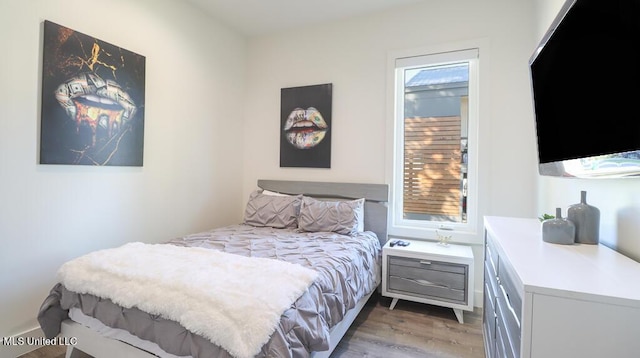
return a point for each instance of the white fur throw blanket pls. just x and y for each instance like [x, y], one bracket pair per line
[234, 301]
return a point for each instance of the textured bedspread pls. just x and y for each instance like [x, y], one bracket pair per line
[348, 267]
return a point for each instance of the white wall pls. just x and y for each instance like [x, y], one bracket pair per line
[192, 146]
[204, 129]
[617, 199]
[353, 54]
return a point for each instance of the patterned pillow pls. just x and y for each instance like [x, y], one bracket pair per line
[272, 211]
[342, 217]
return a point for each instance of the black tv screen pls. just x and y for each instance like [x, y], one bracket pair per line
[585, 78]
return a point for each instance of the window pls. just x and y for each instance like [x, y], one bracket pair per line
[435, 126]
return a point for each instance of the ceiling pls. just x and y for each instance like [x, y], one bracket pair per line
[259, 17]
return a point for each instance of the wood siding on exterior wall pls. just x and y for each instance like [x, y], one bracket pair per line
[432, 169]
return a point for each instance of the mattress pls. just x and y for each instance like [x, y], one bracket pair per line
[349, 268]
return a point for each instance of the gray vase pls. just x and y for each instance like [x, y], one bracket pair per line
[586, 219]
[558, 230]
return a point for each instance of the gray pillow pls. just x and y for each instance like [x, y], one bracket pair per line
[342, 217]
[272, 211]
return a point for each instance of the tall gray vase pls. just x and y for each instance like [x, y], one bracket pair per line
[586, 219]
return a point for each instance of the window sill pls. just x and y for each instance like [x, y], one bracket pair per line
[458, 236]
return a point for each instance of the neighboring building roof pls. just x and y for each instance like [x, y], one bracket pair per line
[441, 75]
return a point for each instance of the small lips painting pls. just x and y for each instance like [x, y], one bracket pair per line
[305, 128]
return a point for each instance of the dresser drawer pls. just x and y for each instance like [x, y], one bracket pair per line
[491, 255]
[490, 296]
[510, 291]
[490, 280]
[503, 349]
[496, 267]
[489, 325]
[489, 337]
[509, 325]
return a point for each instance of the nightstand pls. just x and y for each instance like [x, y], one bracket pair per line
[428, 272]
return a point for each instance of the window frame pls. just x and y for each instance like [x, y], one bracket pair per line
[398, 226]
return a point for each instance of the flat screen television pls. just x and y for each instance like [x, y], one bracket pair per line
[585, 79]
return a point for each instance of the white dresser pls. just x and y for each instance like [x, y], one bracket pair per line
[545, 300]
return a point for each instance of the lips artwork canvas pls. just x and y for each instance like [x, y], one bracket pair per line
[305, 126]
[92, 101]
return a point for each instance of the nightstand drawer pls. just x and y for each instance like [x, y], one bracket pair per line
[430, 274]
[422, 287]
[427, 264]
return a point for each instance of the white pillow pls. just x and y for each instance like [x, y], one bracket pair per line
[273, 193]
[360, 216]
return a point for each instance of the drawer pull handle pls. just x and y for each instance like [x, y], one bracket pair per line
[425, 262]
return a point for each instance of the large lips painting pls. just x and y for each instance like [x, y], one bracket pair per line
[305, 129]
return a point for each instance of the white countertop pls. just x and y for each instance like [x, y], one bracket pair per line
[593, 272]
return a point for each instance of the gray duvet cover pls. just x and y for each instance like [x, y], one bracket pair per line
[348, 267]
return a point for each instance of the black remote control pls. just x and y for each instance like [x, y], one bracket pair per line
[399, 243]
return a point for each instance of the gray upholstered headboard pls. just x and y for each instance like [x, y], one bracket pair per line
[376, 197]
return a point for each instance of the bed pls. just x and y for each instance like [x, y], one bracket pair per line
[305, 260]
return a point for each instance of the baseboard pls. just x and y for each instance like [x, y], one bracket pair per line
[478, 299]
[22, 343]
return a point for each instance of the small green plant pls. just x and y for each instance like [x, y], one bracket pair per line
[546, 217]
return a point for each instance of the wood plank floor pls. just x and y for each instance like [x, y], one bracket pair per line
[410, 330]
